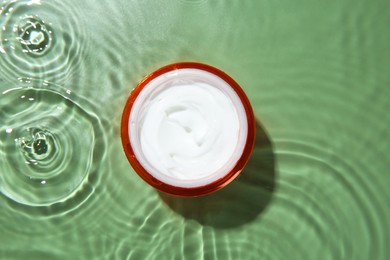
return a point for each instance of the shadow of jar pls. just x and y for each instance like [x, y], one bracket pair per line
[241, 201]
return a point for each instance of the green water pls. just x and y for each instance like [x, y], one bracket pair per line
[316, 73]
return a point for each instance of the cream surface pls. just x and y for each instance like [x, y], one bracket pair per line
[188, 132]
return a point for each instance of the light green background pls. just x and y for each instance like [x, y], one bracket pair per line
[317, 75]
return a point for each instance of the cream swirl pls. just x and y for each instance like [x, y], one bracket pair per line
[188, 131]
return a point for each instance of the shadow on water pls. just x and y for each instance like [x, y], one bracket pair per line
[241, 201]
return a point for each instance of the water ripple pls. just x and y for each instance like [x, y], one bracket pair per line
[39, 136]
[317, 78]
[194, 2]
[41, 39]
[362, 200]
[51, 156]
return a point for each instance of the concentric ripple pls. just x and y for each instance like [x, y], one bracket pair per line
[40, 39]
[48, 145]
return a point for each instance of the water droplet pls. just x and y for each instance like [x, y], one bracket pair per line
[40, 146]
[34, 36]
[36, 144]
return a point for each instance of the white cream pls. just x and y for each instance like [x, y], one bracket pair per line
[188, 128]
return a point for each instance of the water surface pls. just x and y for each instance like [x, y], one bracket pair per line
[315, 72]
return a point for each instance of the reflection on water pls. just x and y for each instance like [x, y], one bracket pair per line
[241, 201]
[315, 73]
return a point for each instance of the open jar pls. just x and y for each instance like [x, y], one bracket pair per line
[188, 129]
